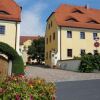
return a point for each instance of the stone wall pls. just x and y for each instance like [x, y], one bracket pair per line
[71, 65]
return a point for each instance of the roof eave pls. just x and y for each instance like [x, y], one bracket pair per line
[50, 16]
[77, 27]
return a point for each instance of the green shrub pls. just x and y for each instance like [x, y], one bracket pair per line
[18, 66]
[21, 88]
[90, 62]
[8, 50]
[17, 62]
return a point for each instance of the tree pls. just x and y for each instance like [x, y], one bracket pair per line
[36, 50]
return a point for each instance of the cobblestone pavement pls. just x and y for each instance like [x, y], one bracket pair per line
[56, 75]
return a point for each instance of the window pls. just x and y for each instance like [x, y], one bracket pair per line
[48, 26]
[46, 55]
[3, 12]
[82, 51]
[69, 34]
[72, 20]
[54, 36]
[69, 52]
[77, 11]
[47, 40]
[95, 51]
[82, 35]
[50, 38]
[2, 29]
[50, 54]
[93, 22]
[95, 35]
[51, 23]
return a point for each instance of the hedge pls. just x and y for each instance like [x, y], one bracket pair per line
[17, 62]
[90, 62]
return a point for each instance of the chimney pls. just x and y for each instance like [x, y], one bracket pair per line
[87, 6]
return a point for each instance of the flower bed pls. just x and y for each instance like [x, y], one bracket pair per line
[21, 88]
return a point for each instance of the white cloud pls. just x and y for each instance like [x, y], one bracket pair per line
[32, 21]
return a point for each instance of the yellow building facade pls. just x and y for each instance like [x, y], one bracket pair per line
[67, 37]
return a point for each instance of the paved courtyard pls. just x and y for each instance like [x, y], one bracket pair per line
[56, 75]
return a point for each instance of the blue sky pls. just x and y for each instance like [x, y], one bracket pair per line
[35, 13]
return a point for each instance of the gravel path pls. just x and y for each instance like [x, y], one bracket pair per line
[56, 75]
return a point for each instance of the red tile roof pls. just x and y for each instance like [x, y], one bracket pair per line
[77, 16]
[25, 38]
[9, 10]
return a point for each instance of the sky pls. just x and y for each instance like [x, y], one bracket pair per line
[35, 13]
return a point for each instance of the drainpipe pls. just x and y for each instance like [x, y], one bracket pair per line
[60, 43]
[16, 38]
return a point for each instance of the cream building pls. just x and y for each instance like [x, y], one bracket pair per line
[10, 17]
[71, 31]
[25, 42]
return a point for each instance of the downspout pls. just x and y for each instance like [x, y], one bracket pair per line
[60, 44]
[16, 38]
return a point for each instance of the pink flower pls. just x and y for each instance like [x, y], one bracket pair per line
[31, 97]
[1, 90]
[21, 75]
[17, 97]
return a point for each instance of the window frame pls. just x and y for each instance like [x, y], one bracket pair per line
[46, 40]
[94, 35]
[2, 29]
[82, 35]
[49, 54]
[69, 52]
[82, 50]
[95, 51]
[46, 55]
[50, 38]
[54, 36]
[69, 34]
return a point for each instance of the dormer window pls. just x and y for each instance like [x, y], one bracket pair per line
[4, 12]
[72, 20]
[77, 11]
[93, 22]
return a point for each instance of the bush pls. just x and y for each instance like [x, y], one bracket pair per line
[8, 50]
[90, 62]
[17, 62]
[18, 65]
[20, 88]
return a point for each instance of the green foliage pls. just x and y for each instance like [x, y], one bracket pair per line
[36, 50]
[21, 88]
[17, 62]
[90, 62]
[8, 50]
[18, 65]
